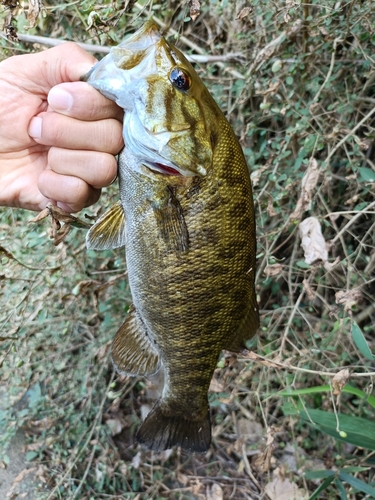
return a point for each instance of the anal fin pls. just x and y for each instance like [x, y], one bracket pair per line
[133, 352]
[246, 330]
[108, 231]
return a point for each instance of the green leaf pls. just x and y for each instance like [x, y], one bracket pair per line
[361, 342]
[359, 431]
[322, 487]
[302, 264]
[30, 455]
[341, 489]
[357, 483]
[367, 175]
[319, 474]
[327, 388]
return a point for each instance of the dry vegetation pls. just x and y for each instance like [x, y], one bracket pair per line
[299, 92]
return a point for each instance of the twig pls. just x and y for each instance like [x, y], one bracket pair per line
[191, 44]
[104, 49]
[358, 214]
[352, 132]
[78, 453]
[278, 364]
[330, 70]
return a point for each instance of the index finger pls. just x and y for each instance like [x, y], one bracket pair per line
[81, 101]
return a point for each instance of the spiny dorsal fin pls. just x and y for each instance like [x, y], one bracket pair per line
[133, 352]
[108, 231]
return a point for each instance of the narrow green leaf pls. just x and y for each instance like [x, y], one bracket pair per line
[319, 474]
[354, 468]
[327, 388]
[361, 342]
[358, 484]
[322, 487]
[357, 431]
[341, 489]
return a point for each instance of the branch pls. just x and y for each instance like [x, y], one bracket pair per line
[90, 47]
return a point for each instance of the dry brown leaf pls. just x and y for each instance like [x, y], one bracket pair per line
[284, 489]
[312, 240]
[195, 9]
[339, 380]
[35, 7]
[263, 461]
[215, 492]
[259, 359]
[182, 478]
[115, 425]
[244, 13]
[196, 486]
[256, 174]
[41, 215]
[23, 474]
[309, 291]
[308, 184]
[270, 210]
[216, 386]
[272, 89]
[348, 298]
[250, 430]
[273, 269]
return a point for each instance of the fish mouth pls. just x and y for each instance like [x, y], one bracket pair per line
[163, 169]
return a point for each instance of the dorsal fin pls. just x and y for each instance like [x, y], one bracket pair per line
[133, 351]
[108, 231]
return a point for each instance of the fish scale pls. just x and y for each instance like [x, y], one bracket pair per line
[189, 237]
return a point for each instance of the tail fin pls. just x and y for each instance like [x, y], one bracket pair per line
[163, 429]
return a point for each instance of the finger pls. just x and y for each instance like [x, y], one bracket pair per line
[80, 100]
[72, 192]
[95, 168]
[53, 129]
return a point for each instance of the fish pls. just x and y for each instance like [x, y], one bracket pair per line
[186, 219]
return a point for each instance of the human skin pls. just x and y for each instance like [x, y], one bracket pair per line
[58, 136]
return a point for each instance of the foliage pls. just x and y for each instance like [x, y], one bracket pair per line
[298, 89]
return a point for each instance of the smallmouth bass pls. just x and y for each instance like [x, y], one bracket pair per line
[186, 219]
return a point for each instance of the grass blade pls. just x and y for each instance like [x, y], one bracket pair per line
[341, 490]
[322, 487]
[354, 430]
[358, 484]
[349, 389]
[361, 342]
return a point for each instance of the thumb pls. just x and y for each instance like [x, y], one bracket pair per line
[65, 63]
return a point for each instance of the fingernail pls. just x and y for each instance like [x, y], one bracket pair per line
[59, 99]
[35, 128]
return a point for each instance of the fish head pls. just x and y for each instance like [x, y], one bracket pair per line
[166, 105]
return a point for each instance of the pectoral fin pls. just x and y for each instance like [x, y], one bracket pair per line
[108, 231]
[133, 352]
[171, 223]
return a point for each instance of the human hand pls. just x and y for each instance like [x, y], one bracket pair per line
[58, 136]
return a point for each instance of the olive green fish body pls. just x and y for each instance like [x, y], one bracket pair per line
[190, 251]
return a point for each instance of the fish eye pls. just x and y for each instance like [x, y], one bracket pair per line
[180, 79]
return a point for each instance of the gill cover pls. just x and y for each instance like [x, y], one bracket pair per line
[160, 92]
